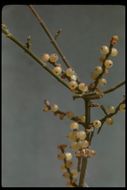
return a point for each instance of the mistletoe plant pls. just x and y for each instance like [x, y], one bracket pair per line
[82, 129]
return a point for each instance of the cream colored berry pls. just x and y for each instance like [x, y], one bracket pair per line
[73, 85]
[108, 63]
[102, 81]
[83, 87]
[68, 156]
[114, 39]
[122, 107]
[85, 144]
[114, 52]
[97, 123]
[98, 70]
[109, 121]
[54, 108]
[45, 57]
[92, 153]
[111, 109]
[57, 70]
[81, 135]
[74, 77]
[53, 58]
[74, 125]
[74, 145]
[104, 50]
[69, 72]
[82, 118]
[61, 156]
[72, 135]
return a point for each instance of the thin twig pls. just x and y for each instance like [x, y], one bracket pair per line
[114, 88]
[96, 96]
[103, 68]
[29, 52]
[51, 37]
[110, 115]
[84, 160]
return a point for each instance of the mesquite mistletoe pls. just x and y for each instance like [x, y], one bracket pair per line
[82, 128]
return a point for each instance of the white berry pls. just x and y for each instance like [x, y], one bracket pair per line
[102, 81]
[74, 125]
[114, 52]
[97, 123]
[108, 63]
[74, 77]
[45, 57]
[69, 72]
[83, 87]
[109, 121]
[54, 108]
[104, 50]
[81, 135]
[73, 85]
[85, 144]
[122, 107]
[53, 58]
[57, 70]
[68, 156]
[98, 70]
[111, 109]
[82, 118]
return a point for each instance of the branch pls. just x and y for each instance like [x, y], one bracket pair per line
[110, 115]
[61, 114]
[29, 52]
[114, 88]
[51, 37]
[96, 96]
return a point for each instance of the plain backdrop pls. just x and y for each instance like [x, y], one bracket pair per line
[29, 135]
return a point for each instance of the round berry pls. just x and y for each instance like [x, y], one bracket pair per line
[74, 77]
[68, 156]
[81, 135]
[98, 70]
[72, 135]
[73, 85]
[109, 121]
[108, 63]
[69, 72]
[102, 81]
[114, 39]
[83, 87]
[122, 107]
[111, 109]
[54, 108]
[85, 144]
[45, 57]
[57, 70]
[82, 118]
[104, 50]
[114, 52]
[97, 123]
[74, 125]
[53, 58]
[92, 153]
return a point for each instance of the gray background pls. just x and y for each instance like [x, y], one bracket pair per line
[30, 136]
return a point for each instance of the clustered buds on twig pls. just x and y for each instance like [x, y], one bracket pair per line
[80, 140]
